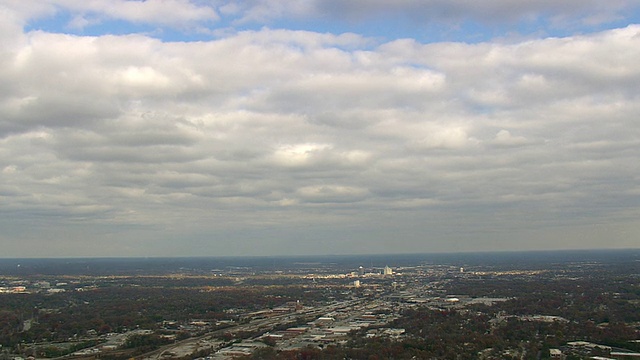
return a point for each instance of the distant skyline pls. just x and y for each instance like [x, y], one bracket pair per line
[218, 128]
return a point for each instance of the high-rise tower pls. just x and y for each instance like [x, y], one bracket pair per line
[387, 271]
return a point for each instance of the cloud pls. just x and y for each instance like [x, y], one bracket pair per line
[436, 11]
[332, 194]
[284, 131]
[265, 10]
[173, 13]
[504, 138]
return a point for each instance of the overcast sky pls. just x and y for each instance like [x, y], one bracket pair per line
[272, 127]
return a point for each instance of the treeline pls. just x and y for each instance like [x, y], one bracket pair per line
[463, 334]
[61, 316]
[594, 299]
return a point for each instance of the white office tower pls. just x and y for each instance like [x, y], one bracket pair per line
[387, 271]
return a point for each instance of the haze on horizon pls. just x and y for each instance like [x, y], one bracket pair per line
[265, 127]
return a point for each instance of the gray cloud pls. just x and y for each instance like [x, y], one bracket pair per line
[192, 16]
[270, 136]
[565, 13]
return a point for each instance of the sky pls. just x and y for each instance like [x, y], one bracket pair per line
[271, 127]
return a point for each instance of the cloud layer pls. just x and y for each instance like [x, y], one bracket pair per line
[277, 141]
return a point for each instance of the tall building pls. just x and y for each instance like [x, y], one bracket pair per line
[361, 271]
[387, 271]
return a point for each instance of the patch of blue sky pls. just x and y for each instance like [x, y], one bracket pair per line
[466, 31]
[54, 24]
[380, 28]
[62, 24]
[386, 29]
[547, 27]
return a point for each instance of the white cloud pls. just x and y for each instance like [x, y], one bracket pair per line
[504, 138]
[298, 130]
[298, 154]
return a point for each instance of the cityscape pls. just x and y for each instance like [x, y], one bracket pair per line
[558, 305]
[319, 179]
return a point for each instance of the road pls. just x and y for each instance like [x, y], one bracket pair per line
[209, 340]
